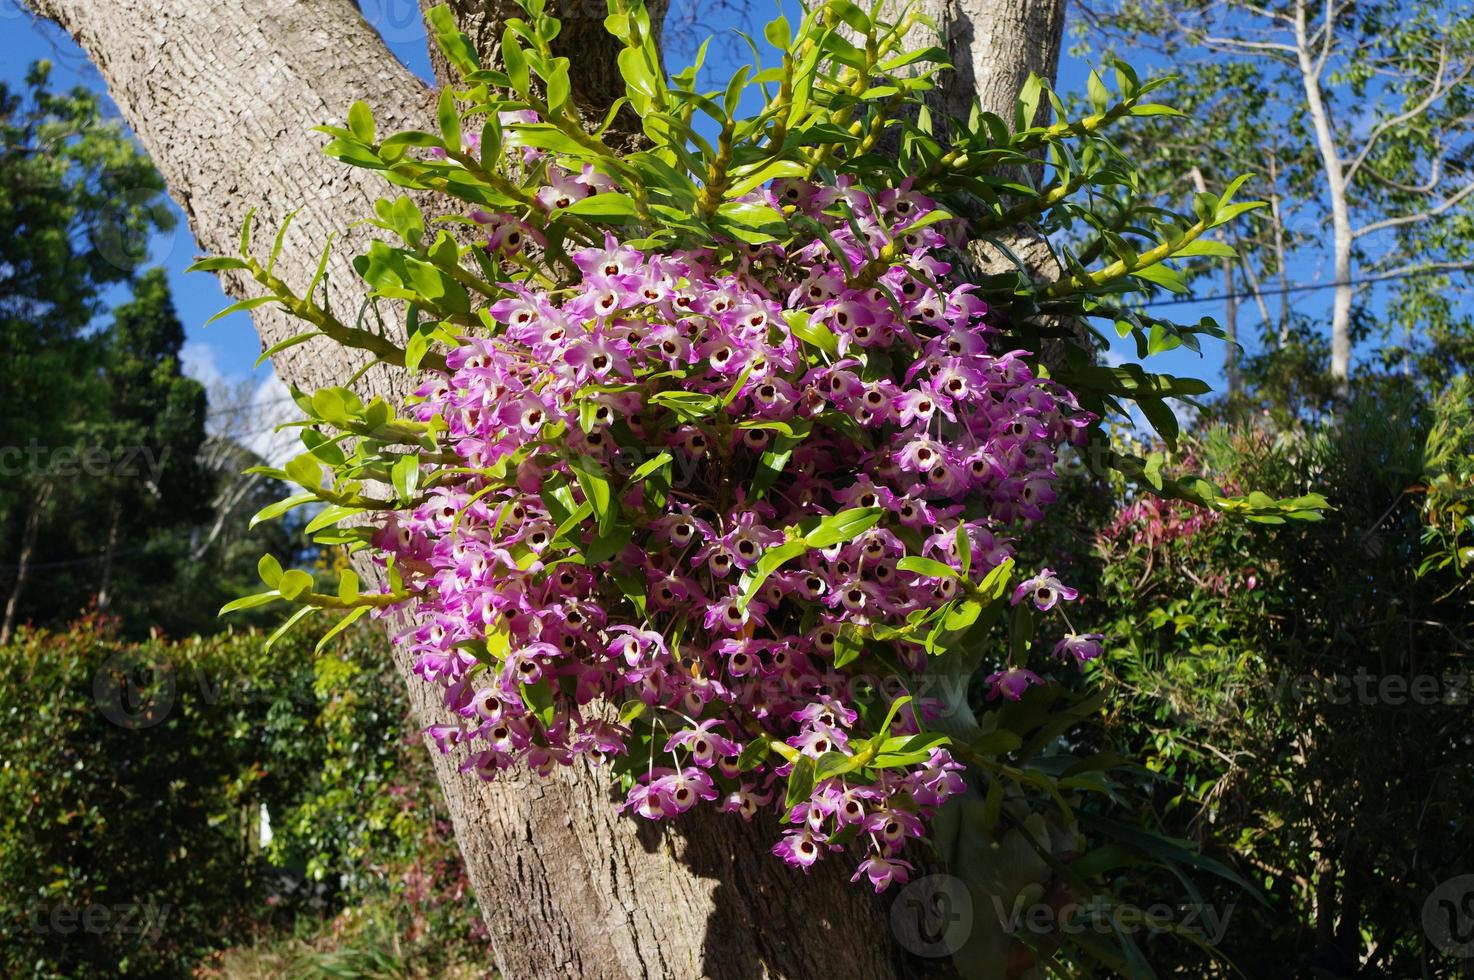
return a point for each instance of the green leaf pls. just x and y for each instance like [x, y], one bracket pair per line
[832, 764]
[348, 585]
[606, 546]
[405, 476]
[305, 470]
[515, 60]
[415, 138]
[286, 627]
[1100, 96]
[449, 118]
[244, 306]
[925, 566]
[606, 205]
[1162, 418]
[800, 782]
[753, 753]
[908, 750]
[1206, 246]
[361, 122]
[457, 47]
[216, 264]
[246, 233]
[249, 602]
[812, 332]
[352, 616]
[847, 647]
[436, 286]
[850, 14]
[1027, 107]
[895, 709]
[639, 81]
[271, 511]
[294, 584]
[290, 342]
[844, 526]
[1154, 109]
[779, 33]
[270, 570]
[330, 515]
[1163, 275]
[281, 237]
[650, 466]
[595, 485]
[689, 405]
[772, 559]
[750, 222]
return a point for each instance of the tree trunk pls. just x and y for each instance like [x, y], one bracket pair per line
[224, 96]
[1230, 330]
[994, 45]
[23, 563]
[109, 554]
[1341, 232]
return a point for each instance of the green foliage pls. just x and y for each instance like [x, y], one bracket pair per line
[134, 778]
[1294, 690]
[1448, 493]
[103, 437]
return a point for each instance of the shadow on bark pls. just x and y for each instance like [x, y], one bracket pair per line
[771, 921]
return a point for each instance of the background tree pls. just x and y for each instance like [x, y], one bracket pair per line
[225, 97]
[106, 490]
[1297, 690]
[1359, 112]
[76, 196]
[155, 427]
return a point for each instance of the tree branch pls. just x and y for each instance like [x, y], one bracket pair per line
[1436, 91]
[1408, 219]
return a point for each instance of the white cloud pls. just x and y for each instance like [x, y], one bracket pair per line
[197, 360]
[271, 405]
[243, 408]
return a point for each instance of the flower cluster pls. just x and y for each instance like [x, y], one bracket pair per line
[706, 489]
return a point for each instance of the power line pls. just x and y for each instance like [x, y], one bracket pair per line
[250, 407]
[1305, 287]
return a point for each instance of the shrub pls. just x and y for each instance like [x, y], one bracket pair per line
[134, 781]
[1301, 691]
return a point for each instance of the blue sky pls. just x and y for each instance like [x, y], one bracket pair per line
[227, 349]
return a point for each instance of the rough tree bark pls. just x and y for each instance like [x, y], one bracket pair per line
[224, 96]
[994, 45]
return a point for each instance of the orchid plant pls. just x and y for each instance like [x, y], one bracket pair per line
[718, 446]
